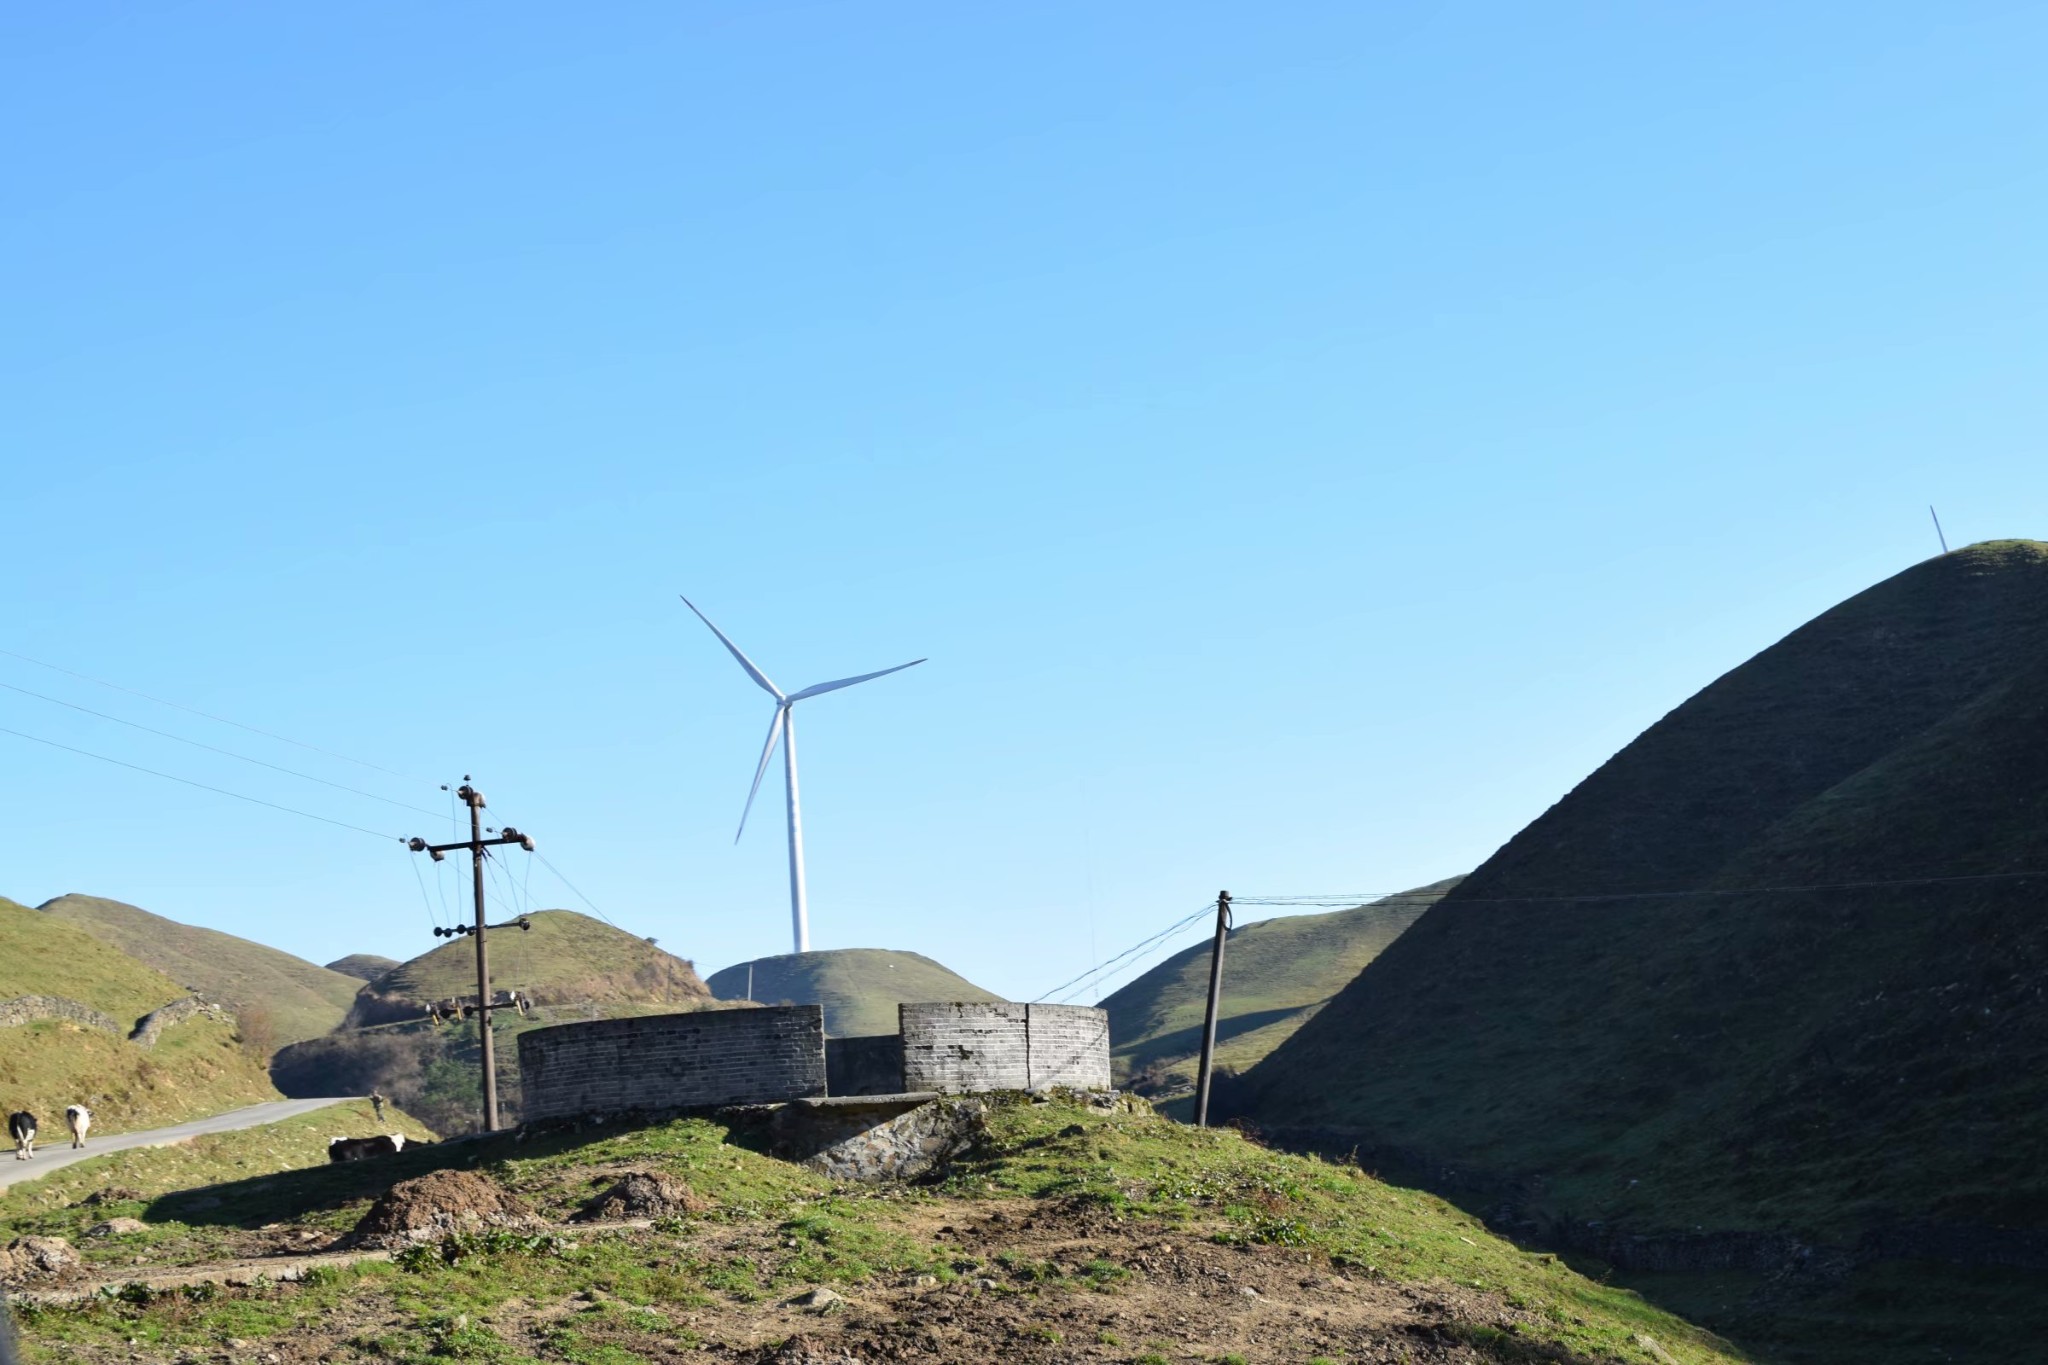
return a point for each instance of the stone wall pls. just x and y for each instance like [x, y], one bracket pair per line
[867, 1065]
[146, 1029]
[673, 1061]
[963, 1048]
[29, 1009]
[960, 1048]
[1069, 1045]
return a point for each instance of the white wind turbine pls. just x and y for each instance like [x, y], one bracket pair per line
[783, 728]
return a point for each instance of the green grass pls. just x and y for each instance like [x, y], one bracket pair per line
[463, 1299]
[43, 955]
[157, 1180]
[860, 988]
[197, 1067]
[1277, 973]
[566, 958]
[286, 996]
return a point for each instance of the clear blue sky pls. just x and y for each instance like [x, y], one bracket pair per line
[1306, 440]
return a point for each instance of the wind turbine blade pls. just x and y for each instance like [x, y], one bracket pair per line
[767, 752]
[848, 682]
[756, 674]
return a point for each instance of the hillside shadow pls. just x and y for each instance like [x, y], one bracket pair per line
[1188, 1041]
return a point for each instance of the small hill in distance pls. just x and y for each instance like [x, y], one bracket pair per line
[363, 966]
[197, 1067]
[1276, 974]
[279, 996]
[860, 988]
[565, 959]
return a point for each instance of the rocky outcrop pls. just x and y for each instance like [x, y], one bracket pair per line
[30, 1009]
[146, 1029]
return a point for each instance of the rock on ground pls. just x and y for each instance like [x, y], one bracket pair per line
[37, 1258]
[643, 1194]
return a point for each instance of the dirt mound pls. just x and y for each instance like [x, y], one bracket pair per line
[113, 1194]
[642, 1194]
[434, 1205]
[37, 1258]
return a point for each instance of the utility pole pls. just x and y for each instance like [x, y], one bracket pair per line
[476, 844]
[1215, 999]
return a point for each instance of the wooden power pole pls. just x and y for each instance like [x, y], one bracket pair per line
[1215, 999]
[476, 844]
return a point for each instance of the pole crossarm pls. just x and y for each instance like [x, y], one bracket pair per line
[510, 836]
[521, 923]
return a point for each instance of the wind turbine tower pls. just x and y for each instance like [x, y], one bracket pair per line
[782, 730]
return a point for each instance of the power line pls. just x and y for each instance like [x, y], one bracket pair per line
[1163, 934]
[572, 887]
[186, 781]
[215, 749]
[205, 715]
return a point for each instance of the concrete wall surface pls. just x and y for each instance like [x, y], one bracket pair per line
[673, 1061]
[964, 1048]
[959, 1048]
[1069, 1045]
[869, 1064]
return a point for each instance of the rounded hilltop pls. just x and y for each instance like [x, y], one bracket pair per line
[859, 988]
[566, 958]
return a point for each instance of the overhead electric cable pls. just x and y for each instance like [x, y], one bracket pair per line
[193, 710]
[1167, 932]
[215, 749]
[1567, 898]
[572, 887]
[186, 781]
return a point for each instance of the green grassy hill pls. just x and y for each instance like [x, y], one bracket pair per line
[1865, 1064]
[291, 997]
[1277, 974]
[860, 988]
[565, 959]
[1045, 1245]
[197, 1067]
[363, 966]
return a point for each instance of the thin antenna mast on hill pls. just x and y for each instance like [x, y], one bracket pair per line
[1937, 529]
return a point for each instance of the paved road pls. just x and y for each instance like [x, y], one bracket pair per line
[58, 1154]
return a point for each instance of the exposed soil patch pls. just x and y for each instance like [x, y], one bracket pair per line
[642, 1194]
[438, 1204]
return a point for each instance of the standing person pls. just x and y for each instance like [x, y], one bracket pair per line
[377, 1103]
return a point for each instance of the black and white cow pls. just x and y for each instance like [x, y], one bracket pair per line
[78, 1119]
[361, 1149]
[21, 1126]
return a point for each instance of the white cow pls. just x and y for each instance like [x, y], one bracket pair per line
[79, 1119]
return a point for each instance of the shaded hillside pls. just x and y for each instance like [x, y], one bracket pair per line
[860, 988]
[291, 997]
[565, 959]
[363, 966]
[1277, 973]
[1865, 1062]
[197, 1066]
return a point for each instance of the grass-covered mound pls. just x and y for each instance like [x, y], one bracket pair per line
[280, 996]
[198, 1067]
[1277, 974]
[364, 966]
[1070, 1234]
[565, 959]
[859, 988]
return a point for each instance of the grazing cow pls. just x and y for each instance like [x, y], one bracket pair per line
[362, 1149]
[22, 1128]
[78, 1119]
